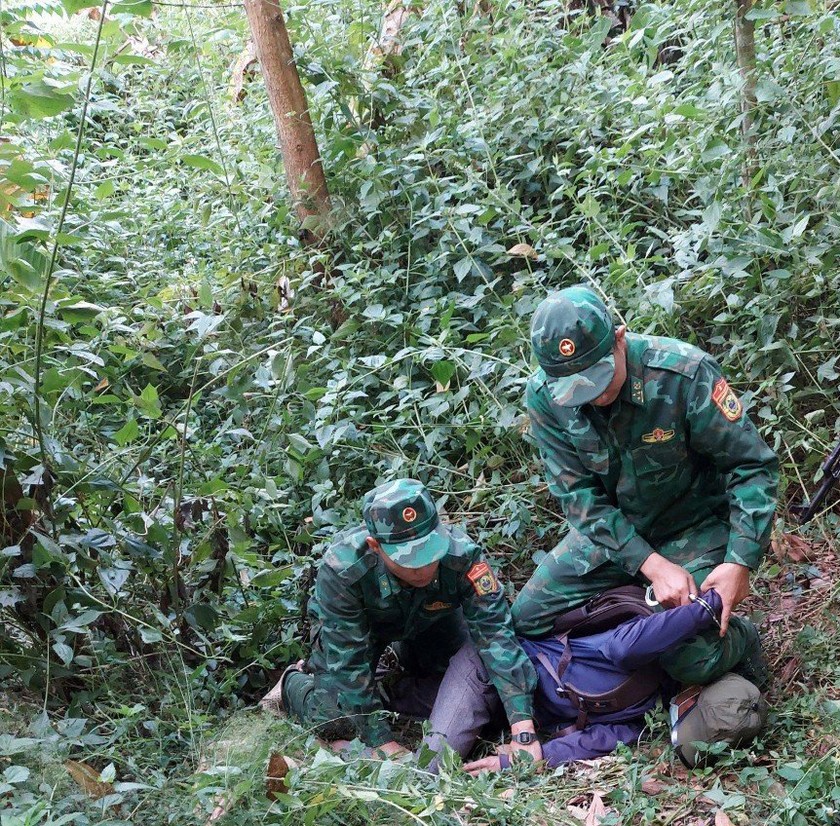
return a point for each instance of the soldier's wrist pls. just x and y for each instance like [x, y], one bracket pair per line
[522, 726]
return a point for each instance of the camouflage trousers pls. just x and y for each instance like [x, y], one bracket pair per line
[562, 582]
[410, 689]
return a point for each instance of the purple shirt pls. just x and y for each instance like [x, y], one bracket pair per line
[601, 662]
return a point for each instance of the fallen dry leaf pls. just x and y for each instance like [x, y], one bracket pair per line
[652, 786]
[796, 548]
[523, 251]
[88, 778]
[275, 776]
[596, 812]
[789, 671]
[577, 812]
[722, 819]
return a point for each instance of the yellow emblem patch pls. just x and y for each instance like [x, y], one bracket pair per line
[567, 347]
[726, 401]
[409, 514]
[483, 579]
[437, 606]
[657, 435]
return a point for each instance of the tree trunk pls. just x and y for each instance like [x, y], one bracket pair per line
[296, 138]
[745, 53]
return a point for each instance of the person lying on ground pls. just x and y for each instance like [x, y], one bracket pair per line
[403, 579]
[579, 713]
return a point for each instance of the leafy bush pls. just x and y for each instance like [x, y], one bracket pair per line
[214, 396]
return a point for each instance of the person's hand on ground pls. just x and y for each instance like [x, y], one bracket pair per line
[390, 749]
[486, 764]
[732, 582]
[671, 583]
[340, 745]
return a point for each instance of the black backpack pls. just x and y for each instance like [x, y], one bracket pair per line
[601, 613]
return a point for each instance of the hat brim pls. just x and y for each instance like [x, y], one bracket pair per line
[416, 553]
[583, 387]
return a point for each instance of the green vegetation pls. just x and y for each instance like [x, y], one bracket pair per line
[192, 399]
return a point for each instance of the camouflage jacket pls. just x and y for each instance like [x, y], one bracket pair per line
[359, 607]
[674, 452]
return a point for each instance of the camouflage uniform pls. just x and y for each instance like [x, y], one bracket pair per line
[360, 607]
[673, 466]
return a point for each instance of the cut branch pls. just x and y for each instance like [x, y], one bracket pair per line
[243, 70]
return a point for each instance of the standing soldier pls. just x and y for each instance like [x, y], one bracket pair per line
[658, 471]
[402, 575]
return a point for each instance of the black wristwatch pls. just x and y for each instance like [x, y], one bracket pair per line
[524, 738]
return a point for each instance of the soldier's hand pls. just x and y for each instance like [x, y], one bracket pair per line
[732, 582]
[671, 584]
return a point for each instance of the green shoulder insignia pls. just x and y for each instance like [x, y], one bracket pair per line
[462, 551]
[347, 554]
[672, 355]
[637, 390]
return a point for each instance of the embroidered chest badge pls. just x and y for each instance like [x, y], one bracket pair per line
[483, 579]
[726, 401]
[439, 605]
[657, 435]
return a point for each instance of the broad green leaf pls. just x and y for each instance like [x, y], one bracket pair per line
[148, 402]
[151, 360]
[36, 99]
[105, 190]
[443, 371]
[689, 110]
[64, 652]
[73, 6]
[202, 162]
[127, 433]
[133, 60]
[143, 8]
[462, 268]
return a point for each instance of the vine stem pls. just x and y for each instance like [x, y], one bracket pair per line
[48, 276]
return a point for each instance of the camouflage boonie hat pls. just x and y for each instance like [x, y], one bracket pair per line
[402, 517]
[572, 336]
[730, 710]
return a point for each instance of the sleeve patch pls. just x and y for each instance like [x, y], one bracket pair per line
[726, 401]
[483, 579]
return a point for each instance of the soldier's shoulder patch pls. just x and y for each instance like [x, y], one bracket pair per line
[482, 579]
[726, 401]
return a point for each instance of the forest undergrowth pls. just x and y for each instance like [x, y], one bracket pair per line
[193, 399]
